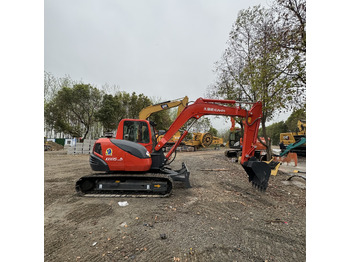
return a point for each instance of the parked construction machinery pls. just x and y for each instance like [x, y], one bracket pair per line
[198, 140]
[292, 147]
[235, 144]
[294, 138]
[134, 163]
[179, 103]
[203, 140]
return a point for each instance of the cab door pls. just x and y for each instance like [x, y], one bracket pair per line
[135, 130]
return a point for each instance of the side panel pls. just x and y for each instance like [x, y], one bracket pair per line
[133, 163]
[112, 155]
[119, 160]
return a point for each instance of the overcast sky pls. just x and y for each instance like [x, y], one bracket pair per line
[165, 49]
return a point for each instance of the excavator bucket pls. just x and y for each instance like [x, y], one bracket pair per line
[258, 172]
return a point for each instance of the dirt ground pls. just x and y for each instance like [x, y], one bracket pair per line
[221, 218]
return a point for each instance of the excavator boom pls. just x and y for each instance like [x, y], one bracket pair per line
[203, 107]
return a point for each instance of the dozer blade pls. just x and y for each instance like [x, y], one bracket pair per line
[182, 175]
[258, 172]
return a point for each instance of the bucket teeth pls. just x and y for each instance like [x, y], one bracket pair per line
[258, 173]
[259, 187]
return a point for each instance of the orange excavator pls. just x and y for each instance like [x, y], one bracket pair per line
[134, 163]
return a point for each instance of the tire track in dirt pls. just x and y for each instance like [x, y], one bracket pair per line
[155, 248]
[224, 210]
[89, 211]
[218, 254]
[274, 245]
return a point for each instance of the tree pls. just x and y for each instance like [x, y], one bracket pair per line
[72, 110]
[202, 125]
[292, 120]
[273, 131]
[253, 67]
[51, 87]
[291, 18]
[162, 119]
[121, 105]
[290, 37]
[213, 131]
[110, 112]
[53, 84]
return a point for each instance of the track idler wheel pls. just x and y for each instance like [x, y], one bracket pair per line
[258, 172]
[207, 139]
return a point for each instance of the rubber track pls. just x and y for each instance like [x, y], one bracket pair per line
[116, 194]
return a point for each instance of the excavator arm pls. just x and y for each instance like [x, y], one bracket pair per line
[147, 111]
[258, 172]
[203, 107]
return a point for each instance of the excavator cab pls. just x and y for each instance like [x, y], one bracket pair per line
[138, 131]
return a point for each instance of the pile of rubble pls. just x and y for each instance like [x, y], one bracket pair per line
[52, 146]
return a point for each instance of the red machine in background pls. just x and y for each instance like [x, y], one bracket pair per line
[135, 164]
[235, 143]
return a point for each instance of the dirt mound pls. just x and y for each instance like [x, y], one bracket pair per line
[52, 146]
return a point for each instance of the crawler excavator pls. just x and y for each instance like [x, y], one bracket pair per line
[134, 163]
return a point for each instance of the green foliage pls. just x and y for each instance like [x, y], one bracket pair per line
[273, 131]
[72, 110]
[121, 105]
[225, 134]
[292, 120]
[213, 131]
[162, 119]
[110, 112]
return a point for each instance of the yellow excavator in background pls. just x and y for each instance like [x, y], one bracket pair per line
[181, 103]
[199, 139]
[294, 137]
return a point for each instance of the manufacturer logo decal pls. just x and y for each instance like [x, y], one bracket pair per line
[210, 109]
[109, 152]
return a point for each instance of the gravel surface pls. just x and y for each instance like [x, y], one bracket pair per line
[221, 218]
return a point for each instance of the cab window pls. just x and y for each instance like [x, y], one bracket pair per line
[136, 131]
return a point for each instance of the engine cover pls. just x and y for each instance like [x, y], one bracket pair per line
[119, 155]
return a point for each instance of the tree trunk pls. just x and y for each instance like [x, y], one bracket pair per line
[86, 132]
[268, 142]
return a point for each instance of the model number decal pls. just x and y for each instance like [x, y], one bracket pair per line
[114, 159]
